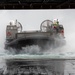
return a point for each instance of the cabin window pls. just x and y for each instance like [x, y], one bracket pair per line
[60, 26]
[11, 27]
[8, 27]
[14, 28]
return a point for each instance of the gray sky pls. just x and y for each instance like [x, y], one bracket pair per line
[31, 20]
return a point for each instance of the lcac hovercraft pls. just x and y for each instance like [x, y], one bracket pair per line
[51, 34]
